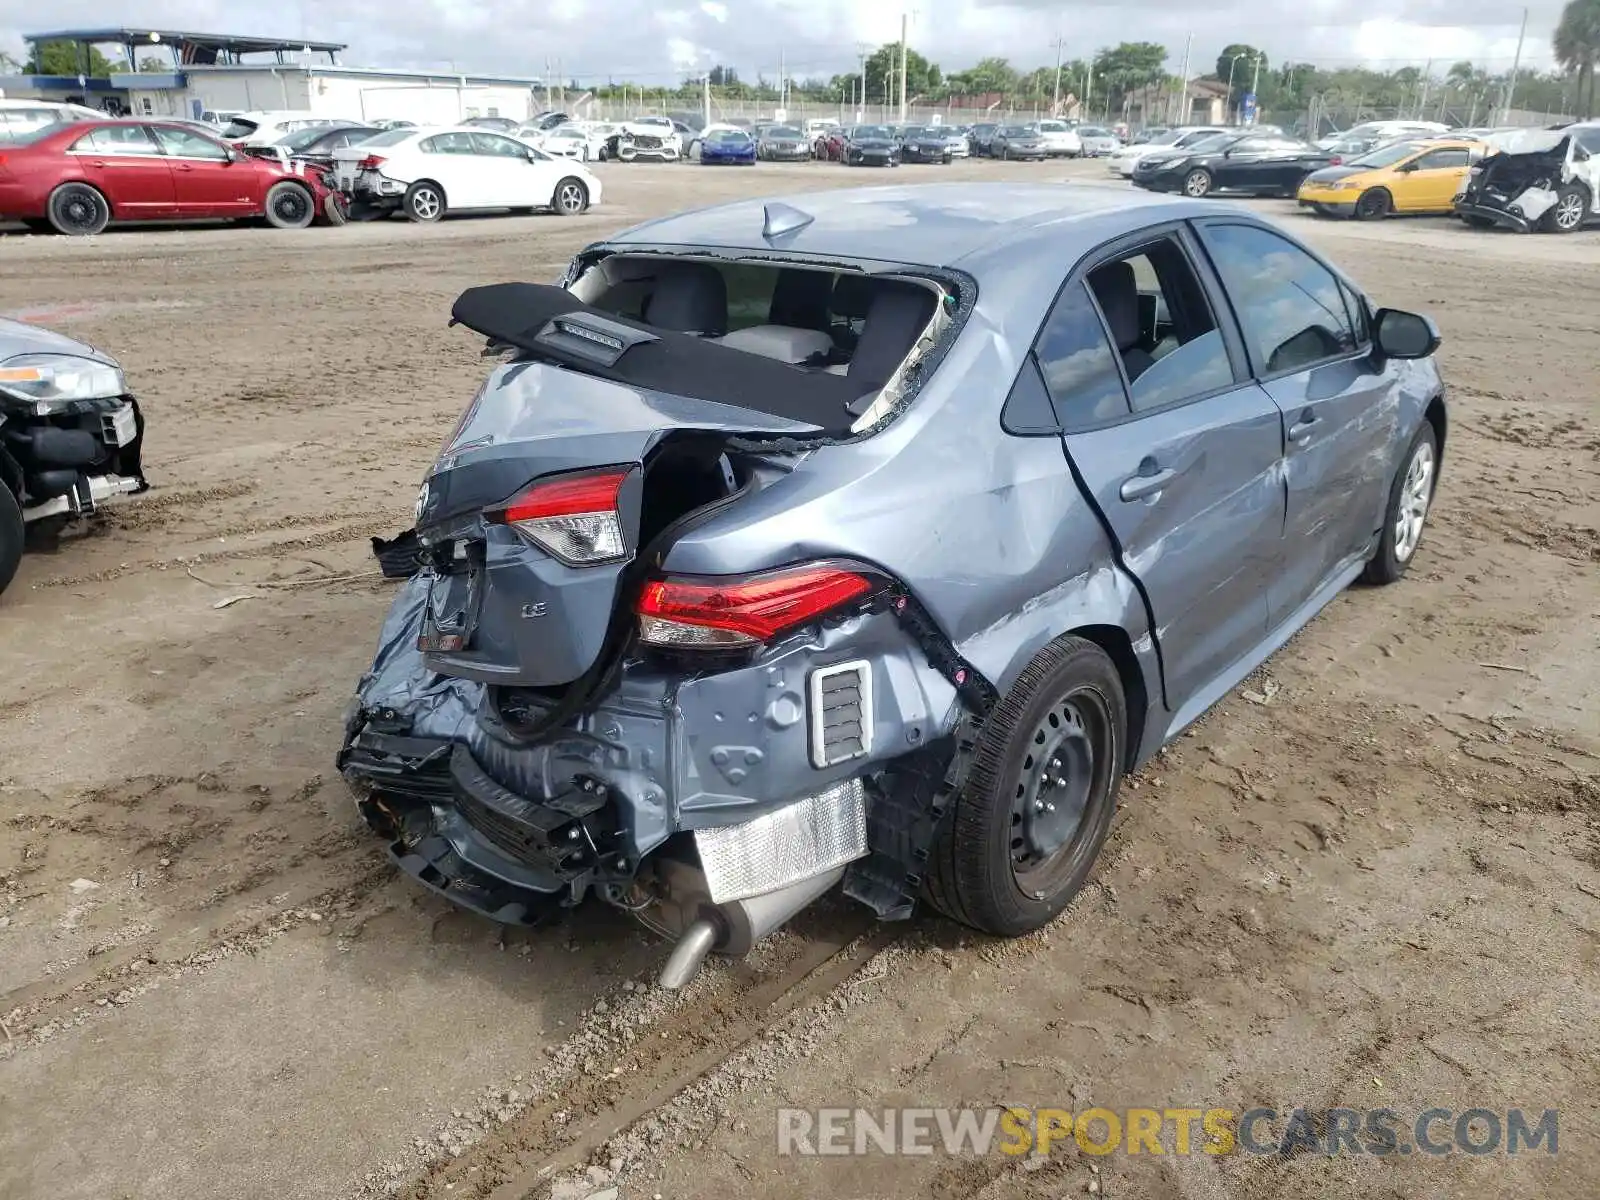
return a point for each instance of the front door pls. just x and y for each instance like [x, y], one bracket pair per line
[520, 176]
[1307, 335]
[127, 166]
[209, 179]
[1179, 452]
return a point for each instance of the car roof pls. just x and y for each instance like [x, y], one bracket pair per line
[931, 224]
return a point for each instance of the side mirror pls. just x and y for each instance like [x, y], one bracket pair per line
[1402, 334]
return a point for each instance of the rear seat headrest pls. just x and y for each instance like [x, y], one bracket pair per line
[689, 298]
[852, 296]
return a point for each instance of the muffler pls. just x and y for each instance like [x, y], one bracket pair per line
[732, 928]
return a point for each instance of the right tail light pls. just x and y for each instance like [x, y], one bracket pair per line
[729, 612]
[370, 163]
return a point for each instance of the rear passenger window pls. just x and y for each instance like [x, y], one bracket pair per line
[448, 143]
[1077, 363]
[1161, 326]
[1288, 303]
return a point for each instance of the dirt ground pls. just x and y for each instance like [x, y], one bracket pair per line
[1369, 878]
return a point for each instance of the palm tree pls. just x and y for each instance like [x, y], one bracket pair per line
[1576, 43]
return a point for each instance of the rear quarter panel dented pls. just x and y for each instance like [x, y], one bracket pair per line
[988, 530]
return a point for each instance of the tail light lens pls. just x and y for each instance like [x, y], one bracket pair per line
[575, 518]
[1336, 160]
[746, 610]
[370, 163]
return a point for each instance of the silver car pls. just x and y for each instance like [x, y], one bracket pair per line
[868, 538]
[1098, 141]
[70, 436]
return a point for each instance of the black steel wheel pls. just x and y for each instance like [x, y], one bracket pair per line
[1037, 804]
[78, 210]
[1374, 204]
[289, 206]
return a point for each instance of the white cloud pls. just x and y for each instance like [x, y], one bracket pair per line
[717, 12]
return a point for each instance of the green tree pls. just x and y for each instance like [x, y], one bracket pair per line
[62, 58]
[921, 75]
[1576, 43]
[1128, 68]
[160, 66]
[1238, 60]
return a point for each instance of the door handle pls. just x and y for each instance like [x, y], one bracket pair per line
[97, 162]
[1300, 432]
[1137, 487]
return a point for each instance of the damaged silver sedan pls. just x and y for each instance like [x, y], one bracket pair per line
[867, 540]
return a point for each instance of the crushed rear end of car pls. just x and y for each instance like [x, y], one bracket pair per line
[555, 713]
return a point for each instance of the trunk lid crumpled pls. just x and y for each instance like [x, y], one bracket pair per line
[501, 610]
[1522, 175]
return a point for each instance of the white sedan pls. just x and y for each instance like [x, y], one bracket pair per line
[425, 173]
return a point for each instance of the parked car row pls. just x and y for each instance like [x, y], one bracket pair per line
[1518, 179]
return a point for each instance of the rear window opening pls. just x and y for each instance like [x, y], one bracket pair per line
[870, 330]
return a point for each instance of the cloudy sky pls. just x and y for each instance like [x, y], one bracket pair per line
[656, 41]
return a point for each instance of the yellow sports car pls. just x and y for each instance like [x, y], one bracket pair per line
[1402, 177]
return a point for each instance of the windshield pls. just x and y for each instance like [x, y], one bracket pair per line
[302, 138]
[239, 127]
[1212, 141]
[1167, 137]
[390, 137]
[783, 132]
[1052, 126]
[727, 135]
[1387, 156]
[870, 131]
[1093, 131]
[1015, 131]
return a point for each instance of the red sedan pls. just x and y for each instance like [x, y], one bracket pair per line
[78, 177]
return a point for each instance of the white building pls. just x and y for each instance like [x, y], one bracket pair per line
[350, 93]
[224, 72]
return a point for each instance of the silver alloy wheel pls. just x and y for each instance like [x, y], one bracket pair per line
[425, 203]
[1196, 184]
[570, 197]
[1569, 212]
[1416, 493]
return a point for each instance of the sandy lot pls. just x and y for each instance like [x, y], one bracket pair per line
[1370, 878]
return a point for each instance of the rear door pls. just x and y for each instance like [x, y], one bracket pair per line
[208, 181]
[1307, 334]
[126, 165]
[452, 161]
[1180, 452]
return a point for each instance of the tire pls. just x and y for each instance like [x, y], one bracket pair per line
[1410, 498]
[1566, 215]
[1197, 183]
[423, 202]
[78, 210]
[1374, 204]
[1006, 863]
[571, 197]
[335, 209]
[289, 206]
[12, 535]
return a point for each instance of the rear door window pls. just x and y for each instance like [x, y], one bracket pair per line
[449, 143]
[117, 139]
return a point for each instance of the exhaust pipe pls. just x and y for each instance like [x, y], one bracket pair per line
[735, 927]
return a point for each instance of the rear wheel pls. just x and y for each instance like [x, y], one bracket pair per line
[571, 197]
[1566, 214]
[336, 208]
[289, 206]
[78, 210]
[1374, 204]
[1037, 804]
[424, 201]
[1197, 183]
[11, 536]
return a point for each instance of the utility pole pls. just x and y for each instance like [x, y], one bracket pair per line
[1516, 63]
[1422, 96]
[705, 97]
[861, 55]
[782, 66]
[547, 94]
[904, 18]
[1055, 103]
[1255, 90]
[1183, 82]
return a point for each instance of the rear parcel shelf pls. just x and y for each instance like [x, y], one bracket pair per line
[551, 324]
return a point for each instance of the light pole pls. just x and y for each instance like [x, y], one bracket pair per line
[1233, 61]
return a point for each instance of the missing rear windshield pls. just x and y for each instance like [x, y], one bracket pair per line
[874, 336]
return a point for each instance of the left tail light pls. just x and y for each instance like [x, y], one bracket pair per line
[745, 610]
[575, 518]
[1336, 160]
[370, 163]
